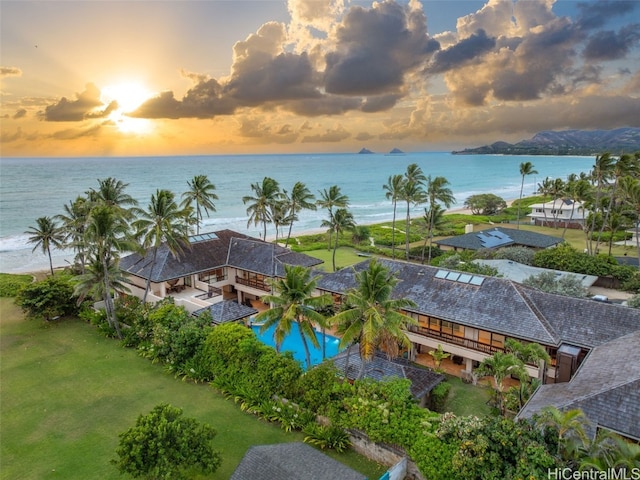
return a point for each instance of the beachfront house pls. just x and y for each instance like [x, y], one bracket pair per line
[223, 271]
[498, 237]
[472, 316]
[559, 213]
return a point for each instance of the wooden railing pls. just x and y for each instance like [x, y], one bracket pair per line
[460, 341]
[250, 282]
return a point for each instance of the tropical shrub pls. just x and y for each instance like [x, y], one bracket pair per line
[485, 204]
[568, 285]
[522, 255]
[48, 299]
[327, 436]
[438, 396]
[288, 415]
[10, 284]
[634, 302]
[316, 387]
[434, 457]
[164, 444]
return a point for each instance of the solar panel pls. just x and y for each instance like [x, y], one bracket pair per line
[494, 238]
[465, 278]
[203, 237]
[441, 274]
[453, 276]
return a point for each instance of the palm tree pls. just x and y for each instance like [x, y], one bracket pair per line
[437, 193]
[571, 427]
[578, 190]
[300, 199]
[601, 172]
[91, 283]
[111, 193]
[342, 220]
[74, 222]
[373, 318]
[412, 193]
[106, 235]
[433, 219]
[280, 214]
[500, 366]
[545, 188]
[329, 199]
[162, 223]
[265, 194]
[558, 190]
[294, 302]
[526, 169]
[45, 235]
[201, 191]
[394, 188]
[631, 194]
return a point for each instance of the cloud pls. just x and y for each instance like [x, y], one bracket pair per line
[470, 48]
[611, 45]
[331, 135]
[257, 130]
[10, 72]
[76, 110]
[21, 113]
[375, 48]
[596, 14]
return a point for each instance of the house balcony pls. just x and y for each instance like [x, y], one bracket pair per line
[459, 341]
[253, 283]
[190, 298]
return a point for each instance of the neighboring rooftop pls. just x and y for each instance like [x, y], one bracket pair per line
[606, 388]
[518, 271]
[499, 305]
[227, 311]
[499, 237]
[291, 461]
[381, 368]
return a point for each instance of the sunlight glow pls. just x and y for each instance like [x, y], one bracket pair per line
[129, 96]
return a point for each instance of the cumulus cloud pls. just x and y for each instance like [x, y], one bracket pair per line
[467, 49]
[21, 113]
[84, 106]
[596, 14]
[330, 135]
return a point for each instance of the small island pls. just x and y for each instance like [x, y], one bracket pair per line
[396, 151]
[365, 151]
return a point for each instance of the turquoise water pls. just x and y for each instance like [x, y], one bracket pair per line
[36, 187]
[293, 343]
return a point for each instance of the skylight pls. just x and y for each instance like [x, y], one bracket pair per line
[203, 237]
[458, 277]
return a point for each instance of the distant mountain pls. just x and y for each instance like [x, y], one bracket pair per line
[567, 142]
[365, 151]
[396, 151]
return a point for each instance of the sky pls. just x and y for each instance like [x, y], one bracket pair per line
[187, 77]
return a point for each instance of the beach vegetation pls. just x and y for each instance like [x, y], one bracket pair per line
[164, 444]
[74, 223]
[298, 200]
[46, 235]
[526, 169]
[340, 222]
[413, 193]
[485, 204]
[10, 284]
[201, 192]
[48, 299]
[393, 191]
[265, 195]
[330, 199]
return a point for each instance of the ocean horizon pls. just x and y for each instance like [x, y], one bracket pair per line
[36, 187]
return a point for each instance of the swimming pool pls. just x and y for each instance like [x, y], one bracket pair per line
[293, 343]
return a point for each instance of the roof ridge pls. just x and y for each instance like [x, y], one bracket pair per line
[521, 289]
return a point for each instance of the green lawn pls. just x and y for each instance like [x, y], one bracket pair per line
[345, 256]
[467, 399]
[67, 393]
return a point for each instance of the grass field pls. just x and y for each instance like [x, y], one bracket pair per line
[67, 393]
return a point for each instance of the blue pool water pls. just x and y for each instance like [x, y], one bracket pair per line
[293, 343]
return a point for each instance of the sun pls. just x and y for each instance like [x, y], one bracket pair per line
[129, 96]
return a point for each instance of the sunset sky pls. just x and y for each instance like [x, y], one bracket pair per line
[97, 78]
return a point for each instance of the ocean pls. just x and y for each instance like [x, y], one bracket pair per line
[37, 187]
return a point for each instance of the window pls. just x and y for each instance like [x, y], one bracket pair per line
[434, 324]
[213, 276]
[497, 340]
[447, 327]
[458, 330]
[484, 337]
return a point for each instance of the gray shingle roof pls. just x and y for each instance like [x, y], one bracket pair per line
[227, 248]
[227, 311]
[381, 368]
[606, 388]
[501, 306]
[499, 237]
[291, 461]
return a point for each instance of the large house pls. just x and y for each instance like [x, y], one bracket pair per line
[561, 213]
[472, 316]
[498, 237]
[222, 271]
